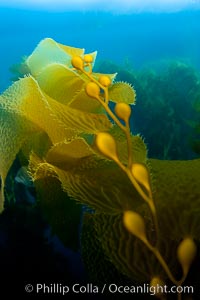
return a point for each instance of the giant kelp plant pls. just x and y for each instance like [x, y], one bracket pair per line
[142, 214]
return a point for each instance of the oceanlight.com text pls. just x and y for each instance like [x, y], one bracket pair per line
[112, 288]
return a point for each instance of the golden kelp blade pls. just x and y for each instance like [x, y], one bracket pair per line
[59, 82]
[14, 130]
[71, 50]
[47, 52]
[51, 116]
[122, 92]
[85, 103]
[88, 180]
[25, 109]
[128, 254]
[176, 192]
[67, 155]
[30, 103]
[62, 213]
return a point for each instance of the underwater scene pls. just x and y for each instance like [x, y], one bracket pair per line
[100, 149]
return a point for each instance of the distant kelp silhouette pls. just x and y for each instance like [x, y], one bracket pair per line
[144, 212]
[168, 93]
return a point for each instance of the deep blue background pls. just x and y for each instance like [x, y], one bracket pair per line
[139, 38]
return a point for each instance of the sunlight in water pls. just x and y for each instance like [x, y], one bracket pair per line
[117, 6]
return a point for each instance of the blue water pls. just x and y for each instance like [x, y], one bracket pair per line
[139, 38]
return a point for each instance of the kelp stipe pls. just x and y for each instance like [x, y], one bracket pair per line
[139, 177]
[145, 212]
